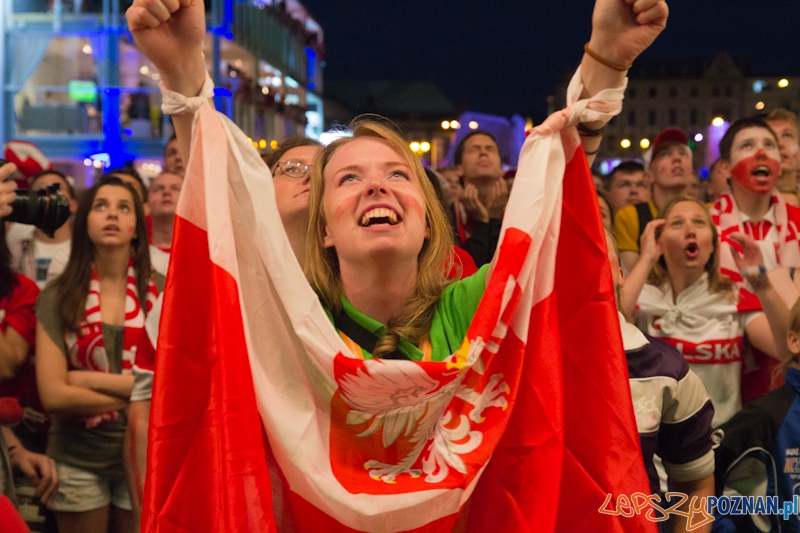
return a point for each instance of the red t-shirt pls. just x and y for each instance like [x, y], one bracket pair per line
[17, 311]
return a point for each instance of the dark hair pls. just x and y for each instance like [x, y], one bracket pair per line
[61, 175]
[287, 144]
[8, 279]
[72, 285]
[628, 167]
[460, 148]
[726, 143]
[128, 172]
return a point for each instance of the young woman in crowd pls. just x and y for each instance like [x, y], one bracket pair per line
[89, 321]
[662, 384]
[690, 305]
[291, 166]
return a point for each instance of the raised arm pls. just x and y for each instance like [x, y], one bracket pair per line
[170, 33]
[766, 332]
[637, 277]
[621, 30]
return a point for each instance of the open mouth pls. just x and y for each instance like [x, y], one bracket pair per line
[692, 250]
[762, 171]
[380, 215]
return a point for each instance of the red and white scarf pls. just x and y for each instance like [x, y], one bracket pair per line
[87, 351]
[783, 252]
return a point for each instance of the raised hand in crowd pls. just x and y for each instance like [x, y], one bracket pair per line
[750, 263]
[498, 198]
[621, 30]
[637, 277]
[170, 33]
[472, 203]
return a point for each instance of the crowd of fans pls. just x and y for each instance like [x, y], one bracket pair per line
[704, 273]
[73, 308]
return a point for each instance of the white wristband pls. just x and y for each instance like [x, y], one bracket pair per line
[173, 103]
[603, 106]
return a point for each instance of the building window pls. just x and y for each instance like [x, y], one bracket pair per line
[715, 91]
[693, 92]
[631, 92]
[651, 117]
[693, 116]
[728, 90]
[673, 92]
[673, 117]
[653, 92]
[631, 118]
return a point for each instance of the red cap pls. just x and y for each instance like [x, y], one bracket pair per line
[27, 156]
[669, 135]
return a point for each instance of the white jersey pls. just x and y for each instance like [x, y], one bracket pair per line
[708, 330]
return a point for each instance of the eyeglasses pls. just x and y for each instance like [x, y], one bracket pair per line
[293, 169]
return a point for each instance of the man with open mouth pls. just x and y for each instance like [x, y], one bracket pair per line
[750, 154]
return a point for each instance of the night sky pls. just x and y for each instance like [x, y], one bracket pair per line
[505, 56]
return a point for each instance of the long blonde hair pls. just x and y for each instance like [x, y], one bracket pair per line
[413, 320]
[717, 283]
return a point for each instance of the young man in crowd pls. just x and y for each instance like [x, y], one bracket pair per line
[41, 257]
[172, 158]
[751, 155]
[625, 185]
[670, 168]
[162, 200]
[784, 123]
[479, 213]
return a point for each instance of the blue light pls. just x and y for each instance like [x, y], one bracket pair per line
[758, 86]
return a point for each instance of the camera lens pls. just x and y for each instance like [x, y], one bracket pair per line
[46, 208]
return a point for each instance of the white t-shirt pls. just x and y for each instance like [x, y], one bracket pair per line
[159, 260]
[708, 330]
[51, 259]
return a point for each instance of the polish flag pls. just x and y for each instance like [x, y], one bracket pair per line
[263, 421]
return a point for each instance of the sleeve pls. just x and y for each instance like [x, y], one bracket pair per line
[145, 363]
[626, 229]
[459, 302]
[684, 440]
[20, 309]
[483, 241]
[47, 315]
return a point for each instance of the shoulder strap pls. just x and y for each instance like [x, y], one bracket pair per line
[361, 336]
[645, 216]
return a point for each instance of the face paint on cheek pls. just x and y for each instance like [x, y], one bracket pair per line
[743, 173]
[411, 203]
[345, 204]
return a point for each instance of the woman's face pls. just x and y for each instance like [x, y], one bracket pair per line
[112, 217]
[291, 185]
[687, 240]
[373, 203]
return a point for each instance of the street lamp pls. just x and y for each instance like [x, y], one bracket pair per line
[644, 143]
[625, 143]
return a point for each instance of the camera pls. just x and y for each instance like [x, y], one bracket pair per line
[46, 208]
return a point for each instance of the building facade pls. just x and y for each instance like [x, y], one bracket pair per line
[76, 85]
[700, 97]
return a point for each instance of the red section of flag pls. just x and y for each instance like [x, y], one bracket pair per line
[603, 452]
[207, 470]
